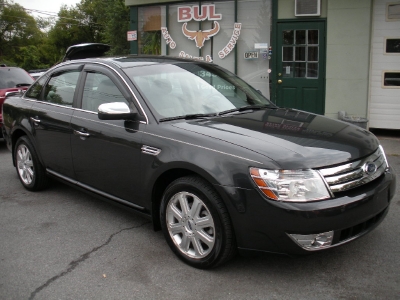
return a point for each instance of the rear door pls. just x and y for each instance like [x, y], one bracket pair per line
[50, 118]
[106, 153]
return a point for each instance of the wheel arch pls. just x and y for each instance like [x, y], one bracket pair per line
[162, 182]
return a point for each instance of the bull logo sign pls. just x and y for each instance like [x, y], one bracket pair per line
[188, 13]
[202, 13]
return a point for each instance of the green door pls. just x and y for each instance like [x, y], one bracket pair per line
[301, 66]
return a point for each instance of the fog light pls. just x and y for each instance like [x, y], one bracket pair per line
[313, 242]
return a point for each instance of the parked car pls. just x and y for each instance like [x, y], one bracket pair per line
[12, 79]
[86, 50]
[207, 158]
[37, 73]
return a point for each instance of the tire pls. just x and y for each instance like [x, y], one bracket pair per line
[29, 169]
[196, 223]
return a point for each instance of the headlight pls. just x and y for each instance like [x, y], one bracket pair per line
[290, 185]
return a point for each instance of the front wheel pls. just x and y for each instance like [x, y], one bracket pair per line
[196, 224]
[30, 171]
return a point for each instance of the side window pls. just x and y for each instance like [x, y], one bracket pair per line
[61, 88]
[34, 91]
[100, 89]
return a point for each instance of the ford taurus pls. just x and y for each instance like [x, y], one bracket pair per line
[212, 162]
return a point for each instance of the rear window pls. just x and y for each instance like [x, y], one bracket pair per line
[13, 77]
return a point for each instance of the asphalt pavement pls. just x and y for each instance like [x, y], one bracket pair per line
[64, 244]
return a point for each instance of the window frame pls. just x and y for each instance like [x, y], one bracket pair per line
[50, 74]
[385, 43]
[116, 79]
[60, 73]
[387, 12]
[84, 80]
[383, 79]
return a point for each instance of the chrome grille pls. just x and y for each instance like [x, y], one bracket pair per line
[351, 175]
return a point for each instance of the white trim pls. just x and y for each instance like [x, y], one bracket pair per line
[385, 43]
[387, 10]
[383, 79]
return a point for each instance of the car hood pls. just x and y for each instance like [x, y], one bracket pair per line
[293, 139]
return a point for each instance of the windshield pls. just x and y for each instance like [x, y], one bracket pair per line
[192, 88]
[11, 77]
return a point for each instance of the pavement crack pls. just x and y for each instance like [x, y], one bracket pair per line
[75, 263]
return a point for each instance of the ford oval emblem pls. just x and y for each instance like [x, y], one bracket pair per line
[370, 168]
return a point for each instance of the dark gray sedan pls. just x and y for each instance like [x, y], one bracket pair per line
[202, 154]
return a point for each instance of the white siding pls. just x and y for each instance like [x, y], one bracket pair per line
[384, 103]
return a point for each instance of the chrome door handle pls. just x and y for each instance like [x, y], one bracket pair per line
[36, 121]
[80, 133]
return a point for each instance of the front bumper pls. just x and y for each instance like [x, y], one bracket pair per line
[267, 225]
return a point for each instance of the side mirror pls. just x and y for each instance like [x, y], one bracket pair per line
[115, 111]
[14, 93]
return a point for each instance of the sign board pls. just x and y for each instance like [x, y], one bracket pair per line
[251, 55]
[132, 35]
[261, 46]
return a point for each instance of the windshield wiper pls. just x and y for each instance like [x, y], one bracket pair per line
[244, 108]
[188, 117]
[22, 84]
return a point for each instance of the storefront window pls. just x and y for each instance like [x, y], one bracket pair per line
[208, 31]
[255, 16]
[151, 19]
[203, 31]
[182, 43]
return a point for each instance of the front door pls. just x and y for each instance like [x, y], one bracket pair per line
[301, 66]
[106, 154]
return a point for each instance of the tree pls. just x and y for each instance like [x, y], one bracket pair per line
[17, 29]
[73, 27]
[38, 43]
[113, 15]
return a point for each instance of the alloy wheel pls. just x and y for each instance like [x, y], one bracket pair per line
[25, 164]
[190, 225]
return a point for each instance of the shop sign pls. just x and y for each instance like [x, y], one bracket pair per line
[251, 55]
[168, 38]
[185, 55]
[132, 35]
[188, 13]
[201, 13]
[261, 46]
[232, 42]
[200, 36]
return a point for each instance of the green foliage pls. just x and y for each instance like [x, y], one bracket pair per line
[33, 43]
[151, 41]
[17, 29]
[72, 27]
[113, 16]
[29, 58]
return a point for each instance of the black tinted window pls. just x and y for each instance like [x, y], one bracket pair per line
[391, 79]
[13, 77]
[36, 88]
[61, 88]
[100, 89]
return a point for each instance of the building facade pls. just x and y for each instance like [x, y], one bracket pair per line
[322, 56]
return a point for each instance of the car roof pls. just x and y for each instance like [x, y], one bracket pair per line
[130, 61]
